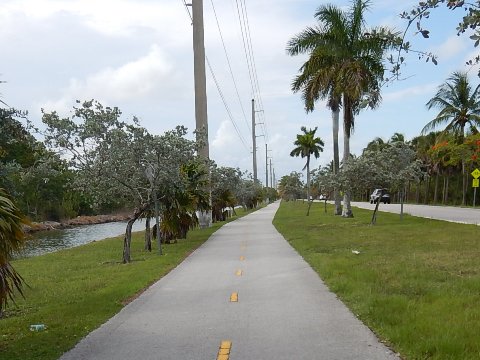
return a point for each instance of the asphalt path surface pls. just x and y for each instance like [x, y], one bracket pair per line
[283, 312]
[446, 213]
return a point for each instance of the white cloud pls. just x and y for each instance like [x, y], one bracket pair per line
[411, 92]
[132, 80]
[227, 149]
[452, 47]
[108, 17]
[226, 140]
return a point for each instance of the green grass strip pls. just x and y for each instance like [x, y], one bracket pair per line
[415, 283]
[74, 291]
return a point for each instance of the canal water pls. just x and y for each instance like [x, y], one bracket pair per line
[43, 242]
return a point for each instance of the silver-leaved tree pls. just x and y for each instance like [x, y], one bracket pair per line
[115, 159]
[389, 167]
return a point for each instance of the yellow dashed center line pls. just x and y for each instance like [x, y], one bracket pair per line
[224, 351]
[234, 297]
[239, 272]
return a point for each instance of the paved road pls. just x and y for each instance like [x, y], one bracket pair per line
[447, 213]
[284, 311]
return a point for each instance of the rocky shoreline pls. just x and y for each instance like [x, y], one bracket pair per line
[79, 220]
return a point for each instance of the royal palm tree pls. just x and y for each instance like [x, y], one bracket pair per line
[317, 77]
[345, 63]
[11, 240]
[306, 145]
[459, 106]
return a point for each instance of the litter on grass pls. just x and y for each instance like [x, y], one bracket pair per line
[37, 327]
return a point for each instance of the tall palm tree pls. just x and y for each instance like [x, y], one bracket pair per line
[317, 78]
[345, 63]
[459, 106]
[306, 145]
[11, 240]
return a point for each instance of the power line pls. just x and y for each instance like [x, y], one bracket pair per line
[230, 66]
[218, 87]
[250, 58]
[226, 105]
[186, 9]
[250, 48]
[255, 72]
[245, 49]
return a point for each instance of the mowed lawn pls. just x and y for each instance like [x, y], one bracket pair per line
[74, 291]
[415, 283]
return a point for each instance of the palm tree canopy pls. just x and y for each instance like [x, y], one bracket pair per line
[345, 58]
[11, 233]
[11, 240]
[397, 137]
[307, 144]
[459, 106]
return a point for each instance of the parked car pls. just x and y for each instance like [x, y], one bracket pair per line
[381, 194]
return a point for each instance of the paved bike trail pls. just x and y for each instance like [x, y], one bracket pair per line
[283, 312]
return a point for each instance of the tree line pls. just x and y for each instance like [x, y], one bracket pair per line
[428, 169]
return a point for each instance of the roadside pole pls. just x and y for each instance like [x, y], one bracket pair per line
[475, 184]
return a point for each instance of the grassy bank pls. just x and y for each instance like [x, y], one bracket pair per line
[415, 283]
[74, 291]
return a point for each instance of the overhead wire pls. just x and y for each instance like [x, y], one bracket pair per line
[248, 48]
[245, 49]
[230, 66]
[218, 85]
[226, 105]
[186, 9]
[252, 72]
[243, 18]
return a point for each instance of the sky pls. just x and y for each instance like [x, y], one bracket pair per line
[138, 55]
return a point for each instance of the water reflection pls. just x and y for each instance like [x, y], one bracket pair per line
[49, 241]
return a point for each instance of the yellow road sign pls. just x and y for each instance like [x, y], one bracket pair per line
[476, 183]
[476, 173]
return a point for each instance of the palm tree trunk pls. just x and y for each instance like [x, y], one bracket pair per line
[336, 158]
[446, 190]
[417, 193]
[347, 207]
[435, 193]
[443, 189]
[308, 185]
[408, 191]
[464, 172]
[308, 178]
[427, 190]
[464, 183]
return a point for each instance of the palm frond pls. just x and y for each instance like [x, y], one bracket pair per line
[11, 240]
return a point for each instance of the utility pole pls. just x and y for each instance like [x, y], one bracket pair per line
[201, 118]
[254, 143]
[274, 179]
[271, 176]
[266, 165]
